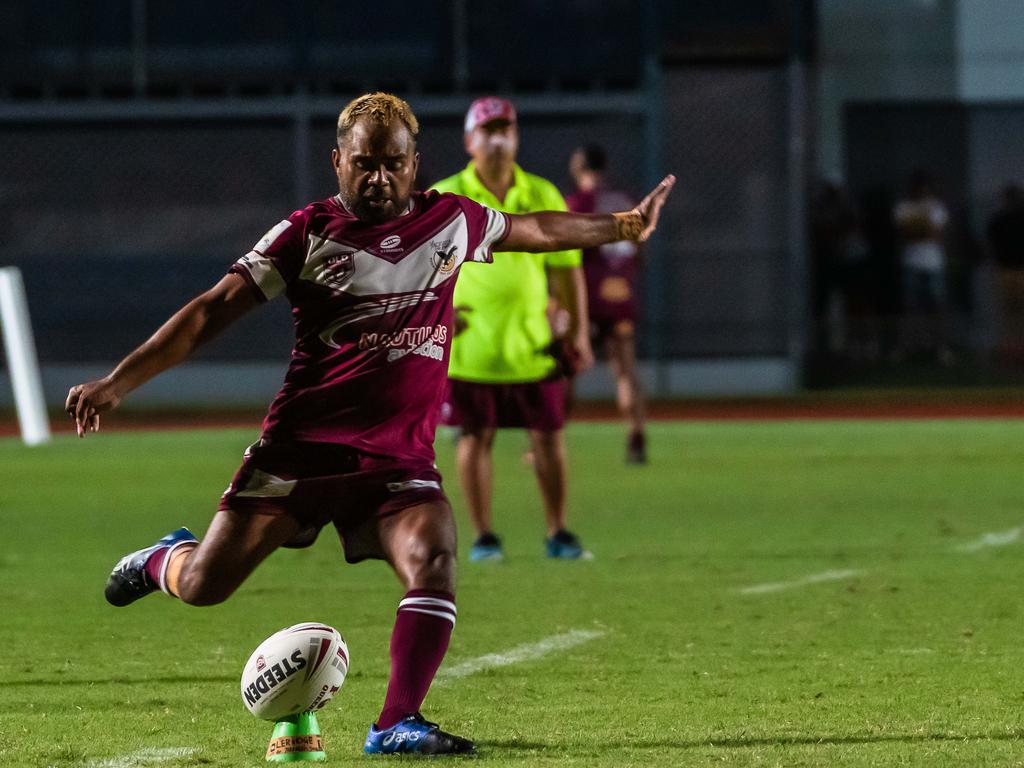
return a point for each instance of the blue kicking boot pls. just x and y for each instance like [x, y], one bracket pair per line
[129, 581]
[565, 545]
[486, 547]
[414, 735]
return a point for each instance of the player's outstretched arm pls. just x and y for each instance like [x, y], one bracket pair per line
[195, 323]
[558, 231]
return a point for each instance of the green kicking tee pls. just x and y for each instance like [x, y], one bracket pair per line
[504, 304]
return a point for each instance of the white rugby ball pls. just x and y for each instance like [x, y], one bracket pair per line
[298, 669]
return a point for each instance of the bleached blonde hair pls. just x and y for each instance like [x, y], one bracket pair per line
[381, 107]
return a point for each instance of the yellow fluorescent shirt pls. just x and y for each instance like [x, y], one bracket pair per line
[505, 303]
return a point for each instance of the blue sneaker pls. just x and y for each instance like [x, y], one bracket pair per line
[129, 581]
[414, 735]
[486, 547]
[566, 546]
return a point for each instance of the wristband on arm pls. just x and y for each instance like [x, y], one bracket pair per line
[629, 224]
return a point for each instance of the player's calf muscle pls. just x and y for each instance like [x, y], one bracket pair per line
[198, 584]
[198, 588]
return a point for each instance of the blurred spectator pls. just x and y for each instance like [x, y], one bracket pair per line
[1006, 239]
[921, 221]
[842, 290]
[884, 276]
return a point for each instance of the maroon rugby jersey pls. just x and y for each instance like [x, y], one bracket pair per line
[611, 269]
[372, 305]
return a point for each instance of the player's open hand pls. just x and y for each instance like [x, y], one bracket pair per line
[582, 353]
[87, 401]
[650, 206]
[461, 320]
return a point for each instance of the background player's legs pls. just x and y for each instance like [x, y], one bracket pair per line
[419, 543]
[549, 463]
[232, 548]
[622, 357]
[476, 476]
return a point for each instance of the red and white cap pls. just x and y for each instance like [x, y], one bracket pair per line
[488, 108]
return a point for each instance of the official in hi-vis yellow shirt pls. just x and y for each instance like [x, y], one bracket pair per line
[502, 373]
[507, 336]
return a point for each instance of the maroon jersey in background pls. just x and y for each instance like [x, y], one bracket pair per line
[372, 305]
[611, 270]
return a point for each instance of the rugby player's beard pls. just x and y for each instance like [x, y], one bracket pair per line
[360, 207]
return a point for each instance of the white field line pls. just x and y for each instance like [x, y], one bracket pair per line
[520, 653]
[144, 757]
[999, 539]
[816, 578]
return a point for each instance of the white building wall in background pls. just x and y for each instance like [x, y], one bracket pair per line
[877, 50]
[990, 46]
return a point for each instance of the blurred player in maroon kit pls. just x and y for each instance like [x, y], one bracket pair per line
[348, 440]
[611, 273]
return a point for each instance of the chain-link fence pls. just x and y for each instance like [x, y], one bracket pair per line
[115, 223]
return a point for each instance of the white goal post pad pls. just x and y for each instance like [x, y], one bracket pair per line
[22, 362]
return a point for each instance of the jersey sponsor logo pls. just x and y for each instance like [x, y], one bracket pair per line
[424, 340]
[445, 257]
[390, 244]
[426, 349]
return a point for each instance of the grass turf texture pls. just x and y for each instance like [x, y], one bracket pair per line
[916, 661]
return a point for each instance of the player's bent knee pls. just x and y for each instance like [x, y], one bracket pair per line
[546, 441]
[432, 568]
[437, 560]
[479, 440]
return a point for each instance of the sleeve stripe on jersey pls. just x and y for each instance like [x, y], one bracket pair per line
[268, 239]
[506, 225]
[244, 274]
[263, 273]
[495, 230]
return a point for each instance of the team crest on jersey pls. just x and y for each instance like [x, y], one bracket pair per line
[338, 267]
[445, 257]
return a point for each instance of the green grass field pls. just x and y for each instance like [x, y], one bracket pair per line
[884, 628]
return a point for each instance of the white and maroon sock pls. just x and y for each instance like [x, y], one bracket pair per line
[156, 565]
[419, 640]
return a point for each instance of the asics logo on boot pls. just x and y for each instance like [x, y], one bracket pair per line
[398, 738]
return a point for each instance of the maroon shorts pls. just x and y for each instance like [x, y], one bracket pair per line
[604, 327]
[536, 405]
[612, 301]
[321, 483]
